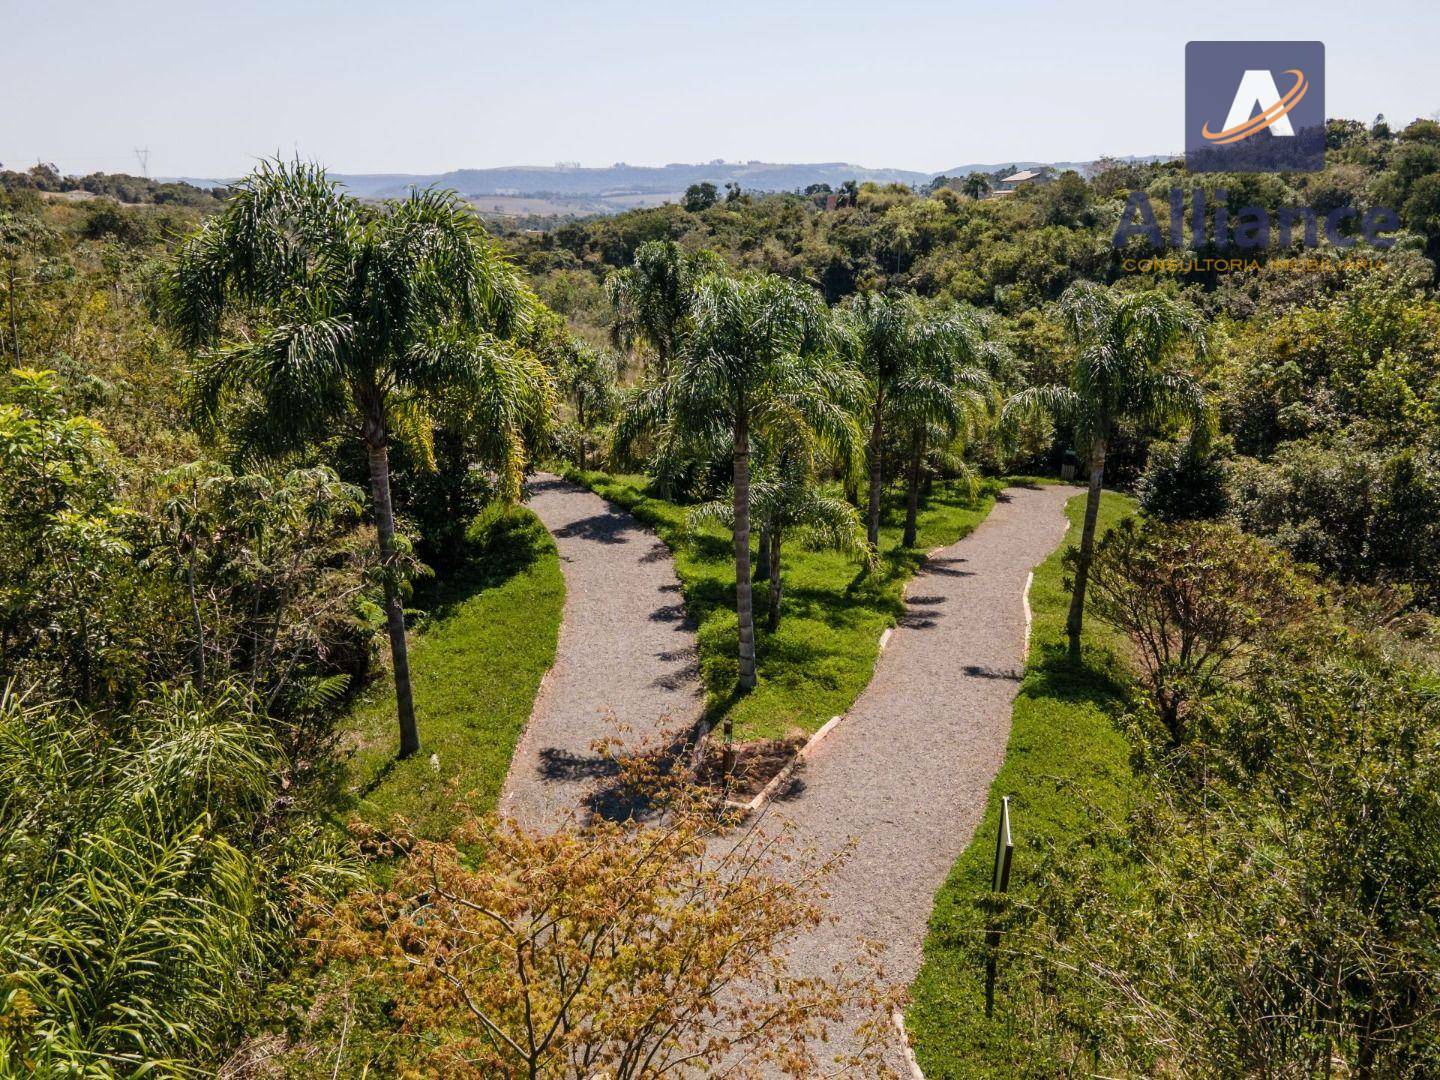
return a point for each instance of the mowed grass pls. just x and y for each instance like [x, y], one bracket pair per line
[1065, 762]
[476, 661]
[833, 610]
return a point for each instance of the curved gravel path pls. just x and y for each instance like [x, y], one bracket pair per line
[905, 775]
[625, 665]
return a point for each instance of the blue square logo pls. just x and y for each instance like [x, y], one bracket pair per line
[1255, 106]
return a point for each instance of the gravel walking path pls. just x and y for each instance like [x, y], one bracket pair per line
[905, 775]
[626, 661]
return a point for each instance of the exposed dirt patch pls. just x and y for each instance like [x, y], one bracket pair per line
[756, 764]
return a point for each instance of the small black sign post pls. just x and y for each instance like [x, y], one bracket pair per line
[999, 883]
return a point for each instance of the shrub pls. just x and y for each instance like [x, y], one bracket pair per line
[1198, 601]
[1361, 516]
[64, 616]
[1183, 481]
[616, 950]
[1282, 917]
[148, 868]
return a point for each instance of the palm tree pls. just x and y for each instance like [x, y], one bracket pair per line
[1123, 346]
[939, 392]
[976, 185]
[760, 358]
[881, 332]
[321, 312]
[787, 500]
[652, 299]
[588, 379]
[920, 370]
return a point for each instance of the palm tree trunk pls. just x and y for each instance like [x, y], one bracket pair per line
[762, 561]
[773, 558]
[394, 611]
[1075, 622]
[912, 492]
[872, 519]
[744, 602]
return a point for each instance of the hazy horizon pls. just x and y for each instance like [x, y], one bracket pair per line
[442, 85]
[876, 166]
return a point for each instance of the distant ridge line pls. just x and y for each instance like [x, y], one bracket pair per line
[606, 189]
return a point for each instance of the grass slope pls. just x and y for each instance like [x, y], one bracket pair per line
[832, 612]
[1065, 760]
[476, 664]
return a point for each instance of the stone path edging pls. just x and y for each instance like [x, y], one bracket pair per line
[766, 793]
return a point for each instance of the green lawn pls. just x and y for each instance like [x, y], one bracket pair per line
[1065, 761]
[832, 614]
[476, 661]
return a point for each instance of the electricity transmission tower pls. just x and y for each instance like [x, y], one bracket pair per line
[142, 154]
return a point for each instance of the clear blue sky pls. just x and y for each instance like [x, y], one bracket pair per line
[431, 85]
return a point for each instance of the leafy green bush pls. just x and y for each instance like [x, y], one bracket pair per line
[1281, 918]
[1183, 481]
[1361, 516]
[63, 618]
[199, 571]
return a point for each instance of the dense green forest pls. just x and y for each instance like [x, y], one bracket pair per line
[263, 455]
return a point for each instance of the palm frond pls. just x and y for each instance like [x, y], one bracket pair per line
[1057, 404]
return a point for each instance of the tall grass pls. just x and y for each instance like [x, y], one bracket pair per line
[146, 862]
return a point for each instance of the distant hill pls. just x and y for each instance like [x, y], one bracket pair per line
[621, 180]
[562, 189]
[571, 189]
[1082, 167]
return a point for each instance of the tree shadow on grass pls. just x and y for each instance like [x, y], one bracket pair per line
[707, 547]
[874, 588]
[498, 546]
[1097, 678]
[793, 652]
[838, 613]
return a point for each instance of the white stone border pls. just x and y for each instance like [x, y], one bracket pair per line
[1025, 600]
[898, 1016]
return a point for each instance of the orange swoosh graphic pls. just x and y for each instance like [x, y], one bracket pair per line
[1264, 119]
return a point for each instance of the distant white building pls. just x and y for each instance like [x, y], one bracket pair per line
[1024, 178]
